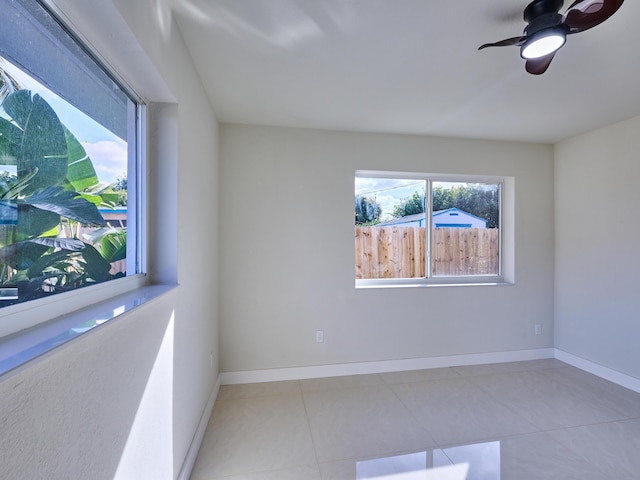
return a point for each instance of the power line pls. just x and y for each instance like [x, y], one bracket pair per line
[391, 188]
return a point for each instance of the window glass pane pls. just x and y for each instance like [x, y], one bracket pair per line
[390, 228]
[66, 135]
[465, 236]
[34, 40]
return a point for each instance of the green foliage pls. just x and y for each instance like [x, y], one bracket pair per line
[56, 189]
[367, 211]
[409, 206]
[119, 188]
[120, 183]
[477, 199]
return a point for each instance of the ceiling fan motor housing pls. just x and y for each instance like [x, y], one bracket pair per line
[541, 14]
[541, 7]
[548, 20]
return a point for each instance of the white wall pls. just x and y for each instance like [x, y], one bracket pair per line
[288, 263]
[597, 314]
[126, 401]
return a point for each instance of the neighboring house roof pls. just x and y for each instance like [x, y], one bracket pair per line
[454, 211]
[415, 218]
[442, 217]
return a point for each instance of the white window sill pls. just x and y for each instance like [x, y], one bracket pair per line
[360, 284]
[22, 347]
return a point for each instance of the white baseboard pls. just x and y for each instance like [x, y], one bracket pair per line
[614, 376]
[338, 370]
[194, 448]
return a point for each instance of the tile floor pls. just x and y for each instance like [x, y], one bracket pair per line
[536, 420]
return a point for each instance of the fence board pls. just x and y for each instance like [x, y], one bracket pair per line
[400, 252]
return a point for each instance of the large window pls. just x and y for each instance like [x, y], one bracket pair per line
[68, 162]
[420, 229]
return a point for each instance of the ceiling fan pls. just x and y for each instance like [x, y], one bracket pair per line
[546, 31]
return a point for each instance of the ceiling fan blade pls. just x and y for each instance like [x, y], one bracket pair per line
[537, 66]
[585, 14]
[517, 41]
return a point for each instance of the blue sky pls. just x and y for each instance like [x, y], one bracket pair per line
[107, 151]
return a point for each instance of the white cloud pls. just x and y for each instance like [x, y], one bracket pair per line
[388, 192]
[387, 202]
[109, 158]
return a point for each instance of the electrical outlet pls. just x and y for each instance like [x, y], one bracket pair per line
[538, 328]
[319, 336]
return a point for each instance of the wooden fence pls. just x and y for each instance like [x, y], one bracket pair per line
[399, 252]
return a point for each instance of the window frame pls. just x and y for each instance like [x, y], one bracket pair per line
[505, 265]
[34, 314]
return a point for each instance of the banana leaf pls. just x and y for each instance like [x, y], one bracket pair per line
[95, 199]
[43, 144]
[80, 172]
[34, 221]
[22, 255]
[113, 246]
[96, 267]
[37, 268]
[105, 193]
[10, 139]
[70, 244]
[65, 203]
[15, 189]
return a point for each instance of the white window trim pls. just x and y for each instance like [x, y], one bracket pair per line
[506, 274]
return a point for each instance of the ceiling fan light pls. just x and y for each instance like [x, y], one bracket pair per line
[543, 43]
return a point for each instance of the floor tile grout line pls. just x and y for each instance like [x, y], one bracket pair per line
[507, 405]
[313, 440]
[252, 398]
[372, 457]
[586, 425]
[411, 414]
[493, 399]
[590, 384]
[349, 387]
[380, 387]
[588, 459]
[253, 472]
[452, 369]
[541, 429]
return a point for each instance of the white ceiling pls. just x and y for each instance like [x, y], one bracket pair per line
[406, 66]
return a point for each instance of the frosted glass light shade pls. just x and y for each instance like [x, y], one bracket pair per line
[543, 43]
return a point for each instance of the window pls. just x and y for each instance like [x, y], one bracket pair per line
[422, 229]
[69, 214]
